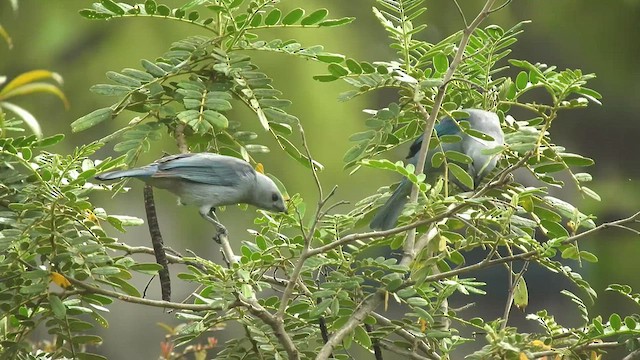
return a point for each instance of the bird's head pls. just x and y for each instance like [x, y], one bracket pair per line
[267, 196]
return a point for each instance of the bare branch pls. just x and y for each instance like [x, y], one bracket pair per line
[358, 316]
[277, 325]
[511, 294]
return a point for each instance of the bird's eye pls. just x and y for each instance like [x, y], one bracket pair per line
[274, 197]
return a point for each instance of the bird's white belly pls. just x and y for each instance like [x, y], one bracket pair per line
[203, 194]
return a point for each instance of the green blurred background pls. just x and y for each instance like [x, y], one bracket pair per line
[595, 36]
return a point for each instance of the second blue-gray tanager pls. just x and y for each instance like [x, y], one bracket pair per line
[208, 180]
[482, 164]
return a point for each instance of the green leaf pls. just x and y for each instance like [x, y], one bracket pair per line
[437, 159]
[293, 16]
[457, 156]
[441, 63]
[255, 148]
[417, 301]
[164, 10]
[590, 193]
[576, 160]
[330, 58]
[521, 80]
[315, 17]
[615, 321]
[123, 79]
[152, 68]
[325, 78]
[146, 268]
[587, 256]
[337, 70]
[336, 22]
[555, 229]
[92, 119]
[58, 308]
[150, 7]
[216, 119]
[94, 15]
[105, 270]
[90, 356]
[570, 253]
[353, 66]
[361, 336]
[273, 17]
[87, 339]
[112, 6]
[319, 309]
[461, 175]
[110, 90]
[521, 294]
[51, 140]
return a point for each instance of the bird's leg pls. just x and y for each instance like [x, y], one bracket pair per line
[210, 216]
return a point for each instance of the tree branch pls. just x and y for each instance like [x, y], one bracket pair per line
[157, 242]
[358, 316]
[405, 353]
[529, 255]
[277, 325]
[587, 347]
[305, 254]
[138, 300]
[405, 335]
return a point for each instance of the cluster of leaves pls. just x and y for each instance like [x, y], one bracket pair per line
[25, 84]
[196, 82]
[49, 228]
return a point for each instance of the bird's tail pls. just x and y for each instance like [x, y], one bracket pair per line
[134, 173]
[389, 213]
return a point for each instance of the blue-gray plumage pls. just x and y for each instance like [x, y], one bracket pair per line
[208, 180]
[482, 164]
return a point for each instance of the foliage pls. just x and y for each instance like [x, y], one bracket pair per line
[25, 84]
[309, 274]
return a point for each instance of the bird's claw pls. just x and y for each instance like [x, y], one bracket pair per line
[221, 231]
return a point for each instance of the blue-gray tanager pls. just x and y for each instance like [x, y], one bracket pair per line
[208, 180]
[481, 120]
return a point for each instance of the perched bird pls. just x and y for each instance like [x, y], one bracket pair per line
[480, 120]
[208, 180]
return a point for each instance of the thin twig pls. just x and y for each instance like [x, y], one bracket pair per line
[406, 354]
[500, 7]
[587, 347]
[138, 300]
[405, 335]
[304, 255]
[529, 255]
[511, 294]
[464, 18]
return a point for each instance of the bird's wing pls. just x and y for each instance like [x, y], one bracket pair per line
[446, 126]
[205, 168]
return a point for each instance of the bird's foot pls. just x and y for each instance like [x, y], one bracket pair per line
[221, 231]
